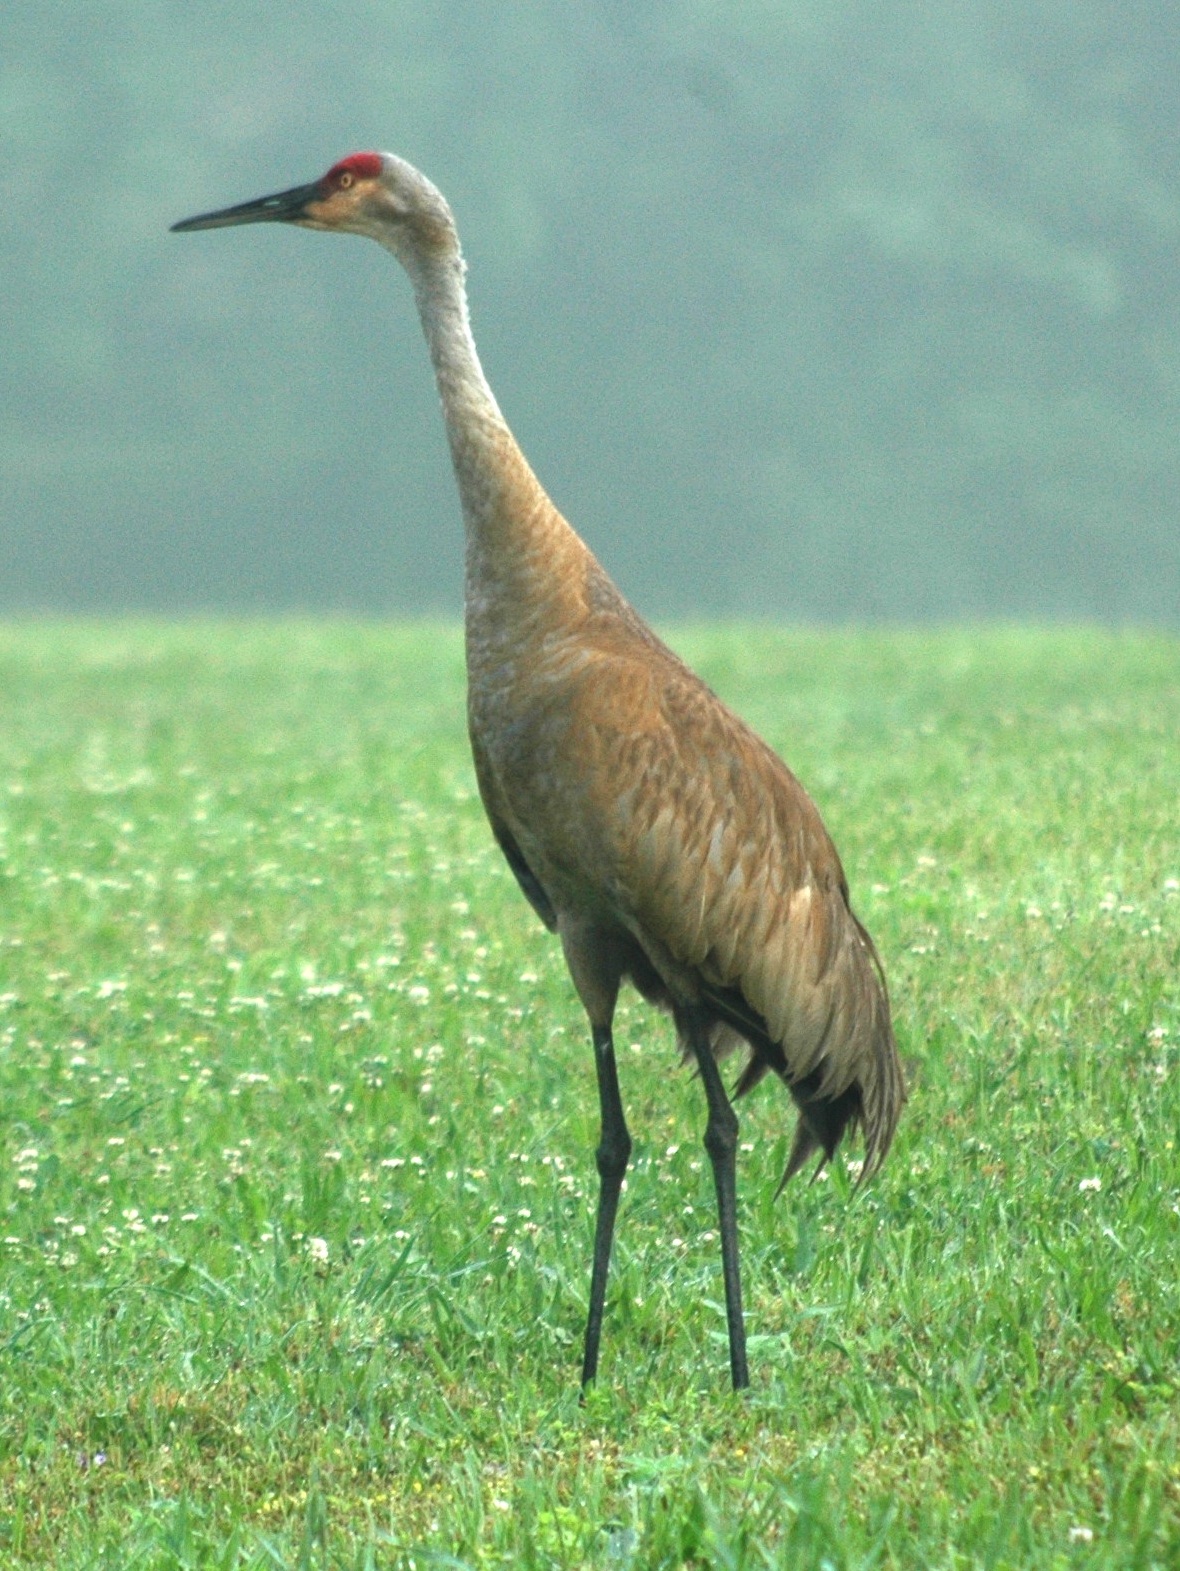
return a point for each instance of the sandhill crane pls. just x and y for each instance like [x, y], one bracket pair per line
[649, 828]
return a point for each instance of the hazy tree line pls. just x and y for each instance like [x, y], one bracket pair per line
[799, 309]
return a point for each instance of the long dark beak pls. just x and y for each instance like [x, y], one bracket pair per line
[286, 207]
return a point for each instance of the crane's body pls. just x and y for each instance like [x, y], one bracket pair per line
[648, 826]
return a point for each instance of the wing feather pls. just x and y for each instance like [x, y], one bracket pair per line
[723, 861]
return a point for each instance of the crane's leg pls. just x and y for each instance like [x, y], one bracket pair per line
[721, 1133]
[614, 1152]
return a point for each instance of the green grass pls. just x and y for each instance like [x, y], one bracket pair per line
[299, 1117]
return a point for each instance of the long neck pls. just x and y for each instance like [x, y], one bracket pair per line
[516, 539]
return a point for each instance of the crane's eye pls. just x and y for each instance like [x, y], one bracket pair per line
[344, 179]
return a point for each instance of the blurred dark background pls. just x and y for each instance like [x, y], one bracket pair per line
[800, 310]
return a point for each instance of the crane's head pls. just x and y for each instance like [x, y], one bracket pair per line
[374, 194]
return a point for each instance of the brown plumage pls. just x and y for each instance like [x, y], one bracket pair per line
[649, 827]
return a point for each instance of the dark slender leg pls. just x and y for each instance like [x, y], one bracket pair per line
[721, 1134]
[614, 1151]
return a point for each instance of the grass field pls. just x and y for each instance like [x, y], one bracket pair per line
[299, 1118]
